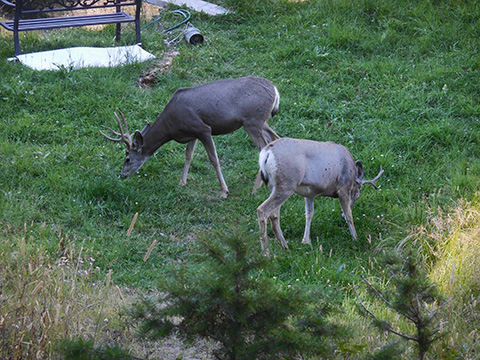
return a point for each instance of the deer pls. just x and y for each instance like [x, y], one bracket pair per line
[198, 113]
[310, 169]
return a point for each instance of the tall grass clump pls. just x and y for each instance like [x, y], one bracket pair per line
[457, 271]
[448, 246]
[46, 299]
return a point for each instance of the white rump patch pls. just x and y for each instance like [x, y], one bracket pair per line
[267, 163]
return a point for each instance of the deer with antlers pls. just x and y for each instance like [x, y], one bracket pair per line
[200, 112]
[308, 168]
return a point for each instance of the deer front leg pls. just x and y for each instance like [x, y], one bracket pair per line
[188, 159]
[309, 210]
[347, 213]
[209, 145]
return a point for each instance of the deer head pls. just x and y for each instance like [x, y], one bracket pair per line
[134, 156]
[359, 182]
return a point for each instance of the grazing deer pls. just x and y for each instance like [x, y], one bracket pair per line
[197, 113]
[308, 168]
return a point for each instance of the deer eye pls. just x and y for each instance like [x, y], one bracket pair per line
[127, 159]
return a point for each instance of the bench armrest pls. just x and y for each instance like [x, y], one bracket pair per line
[8, 3]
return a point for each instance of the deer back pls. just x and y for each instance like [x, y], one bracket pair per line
[224, 105]
[311, 168]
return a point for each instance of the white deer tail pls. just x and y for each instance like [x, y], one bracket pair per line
[265, 162]
[276, 102]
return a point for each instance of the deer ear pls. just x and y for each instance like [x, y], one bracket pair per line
[137, 140]
[146, 128]
[359, 166]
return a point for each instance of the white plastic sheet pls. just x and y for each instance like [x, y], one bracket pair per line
[80, 57]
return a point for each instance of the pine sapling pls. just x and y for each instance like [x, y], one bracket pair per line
[413, 296]
[225, 296]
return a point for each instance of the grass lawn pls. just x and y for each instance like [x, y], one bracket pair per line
[396, 82]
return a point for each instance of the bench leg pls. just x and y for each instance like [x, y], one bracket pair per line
[137, 21]
[117, 33]
[16, 43]
[137, 32]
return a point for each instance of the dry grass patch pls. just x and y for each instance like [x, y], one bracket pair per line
[452, 240]
[47, 298]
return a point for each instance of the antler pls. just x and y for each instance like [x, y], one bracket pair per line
[124, 136]
[372, 182]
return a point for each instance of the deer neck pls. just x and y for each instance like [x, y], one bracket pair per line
[155, 137]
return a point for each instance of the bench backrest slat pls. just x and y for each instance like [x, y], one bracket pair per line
[34, 7]
[25, 8]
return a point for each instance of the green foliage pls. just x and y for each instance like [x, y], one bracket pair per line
[87, 350]
[390, 351]
[225, 296]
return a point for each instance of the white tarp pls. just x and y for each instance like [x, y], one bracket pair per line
[80, 57]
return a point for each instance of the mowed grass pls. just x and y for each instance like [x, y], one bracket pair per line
[394, 81]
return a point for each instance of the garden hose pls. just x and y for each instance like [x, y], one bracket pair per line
[186, 14]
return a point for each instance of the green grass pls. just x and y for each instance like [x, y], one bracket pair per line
[394, 81]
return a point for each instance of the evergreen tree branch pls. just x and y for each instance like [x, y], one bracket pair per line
[388, 326]
[434, 312]
[380, 296]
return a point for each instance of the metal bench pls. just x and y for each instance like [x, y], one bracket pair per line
[41, 15]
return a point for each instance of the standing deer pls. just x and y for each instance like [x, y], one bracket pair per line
[308, 168]
[197, 113]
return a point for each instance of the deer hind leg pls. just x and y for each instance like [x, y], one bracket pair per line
[270, 208]
[255, 131]
[262, 224]
[309, 210]
[277, 230]
[209, 145]
[188, 159]
[268, 133]
[347, 214]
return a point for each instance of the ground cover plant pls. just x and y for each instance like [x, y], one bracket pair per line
[396, 82]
